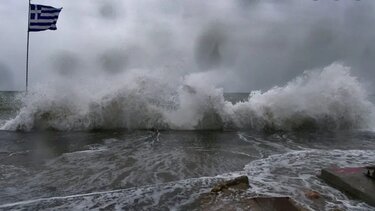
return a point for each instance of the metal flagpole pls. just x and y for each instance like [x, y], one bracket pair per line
[27, 51]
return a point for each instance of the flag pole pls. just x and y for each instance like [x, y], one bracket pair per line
[27, 51]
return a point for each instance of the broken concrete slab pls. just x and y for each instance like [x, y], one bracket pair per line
[352, 181]
[274, 204]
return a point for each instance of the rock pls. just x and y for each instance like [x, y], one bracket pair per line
[312, 195]
[238, 183]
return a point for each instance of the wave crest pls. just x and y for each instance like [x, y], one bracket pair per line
[328, 98]
[323, 99]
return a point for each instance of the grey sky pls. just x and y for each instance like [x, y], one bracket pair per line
[253, 44]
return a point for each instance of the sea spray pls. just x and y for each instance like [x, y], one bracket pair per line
[329, 99]
[325, 99]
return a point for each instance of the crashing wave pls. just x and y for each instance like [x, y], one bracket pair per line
[328, 98]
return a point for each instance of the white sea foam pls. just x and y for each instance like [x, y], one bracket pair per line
[295, 173]
[289, 174]
[329, 98]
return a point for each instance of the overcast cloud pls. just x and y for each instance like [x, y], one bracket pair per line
[253, 44]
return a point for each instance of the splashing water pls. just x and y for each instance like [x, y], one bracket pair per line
[297, 171]
[329, 98]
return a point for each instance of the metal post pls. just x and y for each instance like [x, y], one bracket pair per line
[27, 51]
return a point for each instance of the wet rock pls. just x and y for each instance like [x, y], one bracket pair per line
[312, 195]
[238, 183]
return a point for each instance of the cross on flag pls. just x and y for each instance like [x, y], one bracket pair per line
[43, 17]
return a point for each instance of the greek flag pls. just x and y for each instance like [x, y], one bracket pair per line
[43, 17]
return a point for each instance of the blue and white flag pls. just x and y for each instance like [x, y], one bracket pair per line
[43, 17]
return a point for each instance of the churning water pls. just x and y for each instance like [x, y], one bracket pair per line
[139, 143]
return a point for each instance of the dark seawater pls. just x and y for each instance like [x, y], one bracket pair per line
[168, 170]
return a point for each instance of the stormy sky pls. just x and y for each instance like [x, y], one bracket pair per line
[250, 44]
